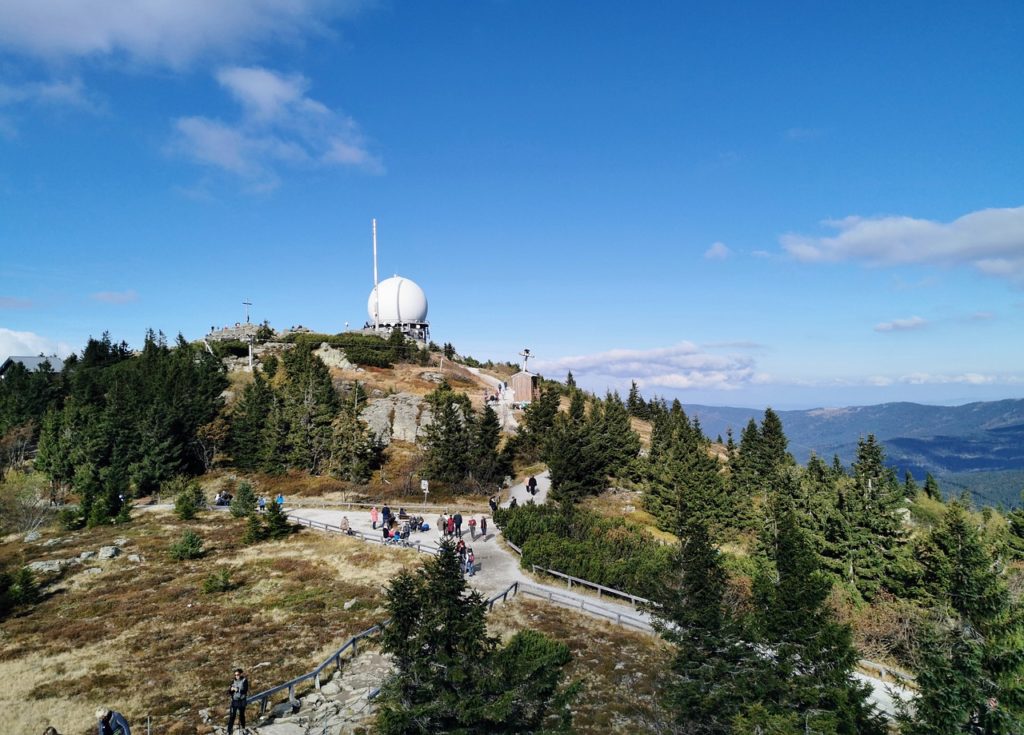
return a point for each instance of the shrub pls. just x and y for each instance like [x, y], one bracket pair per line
[219, 581]
[70, 519]
[189, 500]
[125, 514]
[583, 544]
[277, 522]
[255, 531]
[189, 546]
[244, 502]
[24, 590]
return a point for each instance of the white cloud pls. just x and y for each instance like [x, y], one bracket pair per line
[681, 366]
[28, 343]
[990, 240]
[717, 251]
[116, 297]
[279, 126]
[902, 325]
[165, 32]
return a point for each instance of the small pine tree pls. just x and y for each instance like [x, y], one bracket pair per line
[24, 590]
[244, 502]
[188, 501]
[277, 522]
[931, 487]
[255, 531]
[189, 546]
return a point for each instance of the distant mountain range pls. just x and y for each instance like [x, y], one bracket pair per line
[977, 446]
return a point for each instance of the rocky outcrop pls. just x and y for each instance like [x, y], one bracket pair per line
[332, 357]
[400, 417]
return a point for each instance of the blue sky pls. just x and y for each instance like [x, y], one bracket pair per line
[792, 204]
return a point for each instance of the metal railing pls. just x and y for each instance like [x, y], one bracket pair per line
[619, 618]
[263, 698]
[570, 580]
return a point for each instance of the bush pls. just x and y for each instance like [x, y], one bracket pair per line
[70, 519]
[255, 531]
[189, 546]
[219, 581]
[24, 590]
[244, 502]
[188, 501]
[277, 522]
[583, 544]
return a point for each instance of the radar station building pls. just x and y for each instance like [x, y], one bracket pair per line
[398, 303]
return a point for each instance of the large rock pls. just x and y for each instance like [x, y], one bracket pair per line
[50, 566]
[332, 357]
[32, 536]
[109, 552]
[400, 417]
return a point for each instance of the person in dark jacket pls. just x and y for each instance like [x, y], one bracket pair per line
[239, 692]
[111, 723]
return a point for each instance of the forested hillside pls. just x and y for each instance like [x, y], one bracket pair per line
[770, 579]
[976, 447]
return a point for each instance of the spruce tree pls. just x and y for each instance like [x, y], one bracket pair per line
[244, 502]
[447, 440]
[970, 670]
[450, 675]
[931, 487]
[707, 685]
[808, 657]
[248, 421]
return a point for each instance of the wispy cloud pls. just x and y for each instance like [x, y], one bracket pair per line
[680, 366]
[718, 251]
[989, 240]
[166, 32]
[902, 325]
[29, 343]
[66, 93]
[12, 302]
[116, 297]
[279, 126]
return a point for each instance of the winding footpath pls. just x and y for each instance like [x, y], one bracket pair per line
[498, 567]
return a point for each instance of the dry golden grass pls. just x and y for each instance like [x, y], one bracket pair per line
[629, 505]
[621, 670]
[144, 639]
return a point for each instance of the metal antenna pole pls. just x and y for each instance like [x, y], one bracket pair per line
[247, 304]
[376, 292]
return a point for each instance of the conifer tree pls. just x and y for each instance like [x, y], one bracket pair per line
[447, 440]
[619, 445]
[711, 662]
[450, 675]
[931, 487]
[970, 672]
[572, 453]
[248, 422]
[809, 657]
[353, 450]
[486, 464]
[310, 405]
[244, 502]
[635, 404]
[570, 382]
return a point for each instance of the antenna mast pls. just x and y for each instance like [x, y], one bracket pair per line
[525, 354]
[376, 293]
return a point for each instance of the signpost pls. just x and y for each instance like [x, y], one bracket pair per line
[425, 487]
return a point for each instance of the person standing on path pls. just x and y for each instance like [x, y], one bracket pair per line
[483, 528]
[458, 524]
[280, 500]
[531, 485]
[385, 515]
[374, 516]
[111, 723]
[493, 502]
[451, 525]
[472, 528]
[239, 692]
[442, 525]
[261, 503]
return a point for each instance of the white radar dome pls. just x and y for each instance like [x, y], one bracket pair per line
[401, 301]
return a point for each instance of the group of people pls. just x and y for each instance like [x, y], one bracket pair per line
[467, 560]
[395, 529]
[450, 526]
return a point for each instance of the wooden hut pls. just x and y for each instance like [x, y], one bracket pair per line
[525, 387]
